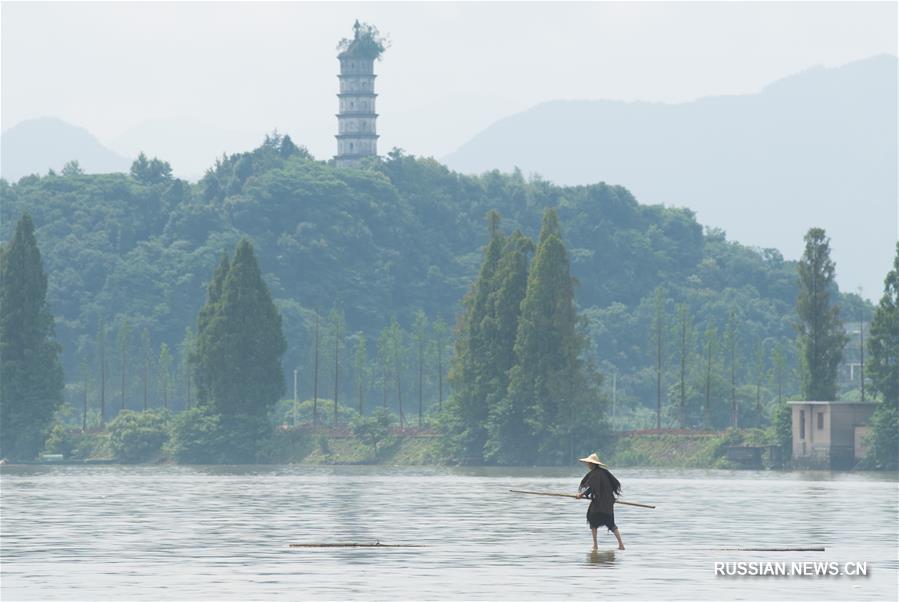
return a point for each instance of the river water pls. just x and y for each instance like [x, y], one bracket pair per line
[224, 533]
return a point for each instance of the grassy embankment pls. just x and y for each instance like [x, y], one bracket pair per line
[305, 447]
[665, 450]
[684, 449]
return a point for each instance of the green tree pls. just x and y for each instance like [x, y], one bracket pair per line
[441, 336]
[187, 351]
[730, 346]
[30, 371]
[658, 326]
[123, 342]
[138, 436]
[506, 421]
[316, 343]
[145, 351]
[685, 339]
[883, 340]
[759, 372]
[102, 335]
[361, 371]
[471, 372]
[395, 344]
[384, 363]
[420, 329]
[778, 370]
[711, 337]
[84, 372]
[373, 430]
[883, 372]
[240, 351]
[203, 370]
[165, 373]
[337, 327]
[152, 171]
[548, 380]
[821, 336]
[70, 169]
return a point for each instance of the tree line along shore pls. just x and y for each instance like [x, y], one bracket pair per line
[526, 374]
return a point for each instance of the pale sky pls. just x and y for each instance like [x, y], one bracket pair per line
[453, 69]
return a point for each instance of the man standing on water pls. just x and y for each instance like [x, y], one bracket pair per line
[601, 487]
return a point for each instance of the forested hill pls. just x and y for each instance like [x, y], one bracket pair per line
[399, 235]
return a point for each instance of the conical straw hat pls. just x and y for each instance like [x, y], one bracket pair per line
[593, 459]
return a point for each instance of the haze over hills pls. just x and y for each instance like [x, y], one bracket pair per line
[815, 149]
[38, 145]
[191, 147]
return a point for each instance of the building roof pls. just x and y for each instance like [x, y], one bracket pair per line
[833, 403]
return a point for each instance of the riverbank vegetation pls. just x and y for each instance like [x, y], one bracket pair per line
[584, 313]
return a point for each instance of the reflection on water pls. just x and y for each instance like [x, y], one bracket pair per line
[224, 533]
[600, 557]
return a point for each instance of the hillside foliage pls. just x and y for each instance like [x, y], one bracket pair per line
[400, 237]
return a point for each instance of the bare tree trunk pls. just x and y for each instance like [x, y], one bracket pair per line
[659, 378]
[733, 385]
[399, 396]
[103, 385]
[124, 362]
[315, 377]
[336, 365]
[683, 372]
[707, 410]
[439, 378]
[187, 377]
[421, 374]
[146, 377]
[84, 410]
[861, 350]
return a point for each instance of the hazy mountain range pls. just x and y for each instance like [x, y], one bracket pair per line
[38, 145]
[815, 149]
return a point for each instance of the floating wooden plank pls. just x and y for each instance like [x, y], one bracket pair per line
[574, 496]
[377, 544]
[815, 549]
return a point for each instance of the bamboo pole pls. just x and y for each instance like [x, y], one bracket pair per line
[574, 496]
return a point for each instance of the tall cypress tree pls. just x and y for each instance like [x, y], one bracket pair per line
[471, 372]
[30, 371]
[883, 340]
[883, 370]
[506, 421]
[549, 383]
[200, 355]
[821, 335]
[242, 343]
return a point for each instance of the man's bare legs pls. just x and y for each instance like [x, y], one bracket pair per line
[595, 547]
[617, 536]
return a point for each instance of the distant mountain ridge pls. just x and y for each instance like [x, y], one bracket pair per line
[37, 145]
[815, 149]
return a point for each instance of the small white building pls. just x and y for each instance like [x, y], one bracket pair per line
[830, 434]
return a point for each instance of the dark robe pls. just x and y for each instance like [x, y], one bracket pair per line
[597, 483]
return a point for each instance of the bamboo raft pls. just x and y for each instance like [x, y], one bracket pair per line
[571, 495]
[377, 544]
